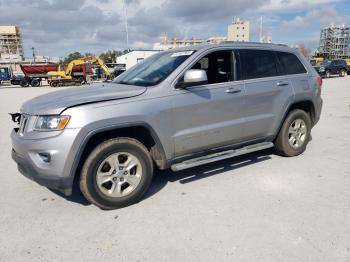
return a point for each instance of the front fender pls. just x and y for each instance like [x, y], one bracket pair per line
[86, 133]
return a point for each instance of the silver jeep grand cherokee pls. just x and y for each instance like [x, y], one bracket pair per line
[179, 109]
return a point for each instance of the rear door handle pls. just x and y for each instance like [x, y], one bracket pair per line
[282, 84]
[233, 91]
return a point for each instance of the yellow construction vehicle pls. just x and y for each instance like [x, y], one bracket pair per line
[315, 60]
[65, 77]
[348, 63]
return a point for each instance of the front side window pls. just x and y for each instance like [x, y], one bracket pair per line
[290, 64]
[153, 70]
[326, 62]
[258, 63]
[217, 65]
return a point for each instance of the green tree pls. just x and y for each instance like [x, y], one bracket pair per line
[71, 57]
[110, 56]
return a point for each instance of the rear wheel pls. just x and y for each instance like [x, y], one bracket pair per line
[342, 73]
[54, 83]
[35, 82]
[294, 134]
[117, 173]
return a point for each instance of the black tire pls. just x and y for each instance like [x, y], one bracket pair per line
[282, 144]
[342, 73]
[35, 82]
[88, 184]
[54, 83]
[24, 83]
[327, 74]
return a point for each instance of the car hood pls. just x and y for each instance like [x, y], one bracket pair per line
[56, 102]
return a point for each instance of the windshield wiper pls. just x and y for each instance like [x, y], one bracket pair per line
[123, 83]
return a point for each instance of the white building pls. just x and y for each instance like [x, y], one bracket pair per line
[11, 47]
[133, 57]
[238, 30]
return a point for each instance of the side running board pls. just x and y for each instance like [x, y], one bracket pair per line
[220, 156]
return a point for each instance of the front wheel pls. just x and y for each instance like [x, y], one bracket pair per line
[117, 173]
[294, 134]
[53, 83]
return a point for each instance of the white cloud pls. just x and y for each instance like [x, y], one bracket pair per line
[57, 27]
[292, 5]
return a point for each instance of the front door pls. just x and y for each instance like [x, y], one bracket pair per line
[209, 115]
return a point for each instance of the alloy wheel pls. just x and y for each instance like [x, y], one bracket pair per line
[297, 133]
[119, 174]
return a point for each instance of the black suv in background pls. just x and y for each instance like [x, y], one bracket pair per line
[332, 67]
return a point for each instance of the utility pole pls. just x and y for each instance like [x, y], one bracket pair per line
[261, 37]
[33, 53]
[126, 24]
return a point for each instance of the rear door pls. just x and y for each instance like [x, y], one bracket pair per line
[293, 69]
[210, 115]
[267, 92]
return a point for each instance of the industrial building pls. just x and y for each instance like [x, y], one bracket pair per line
[238, 30]
[216, 39]
[167, 43]
[11, 47]
[334, 42]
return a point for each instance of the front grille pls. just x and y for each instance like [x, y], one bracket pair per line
[22, 124]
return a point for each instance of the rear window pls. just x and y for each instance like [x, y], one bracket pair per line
[258, 63]
[290, 64]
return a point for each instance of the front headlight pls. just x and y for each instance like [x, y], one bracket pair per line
[321, 69]
[51, 123]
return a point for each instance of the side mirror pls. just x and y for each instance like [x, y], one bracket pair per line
[193, 77]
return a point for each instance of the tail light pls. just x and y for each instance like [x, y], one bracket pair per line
[319, 81]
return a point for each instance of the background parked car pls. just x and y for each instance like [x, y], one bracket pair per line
[332, 67]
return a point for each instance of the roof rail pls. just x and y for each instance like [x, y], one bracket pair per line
[254, 43]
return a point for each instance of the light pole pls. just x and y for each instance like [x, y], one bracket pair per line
[126, 24]
[33, 54]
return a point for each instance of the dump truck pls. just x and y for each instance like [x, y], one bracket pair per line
[5, 74]
[34, 74]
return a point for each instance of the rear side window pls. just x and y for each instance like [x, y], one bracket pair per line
[342, 63]
[258, 63]
[290, 64]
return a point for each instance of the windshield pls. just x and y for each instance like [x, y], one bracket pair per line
[154, 69]
[327, 62]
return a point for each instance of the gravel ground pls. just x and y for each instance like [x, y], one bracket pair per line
[259, 207]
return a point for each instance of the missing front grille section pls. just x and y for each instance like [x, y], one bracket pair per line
[16, 117]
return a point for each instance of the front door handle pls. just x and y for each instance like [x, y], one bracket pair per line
[282, 84]
[233, 91]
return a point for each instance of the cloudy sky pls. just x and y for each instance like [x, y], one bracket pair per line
[58, 27]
